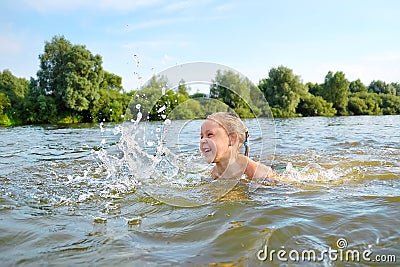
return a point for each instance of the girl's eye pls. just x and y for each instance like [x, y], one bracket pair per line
[209, 134]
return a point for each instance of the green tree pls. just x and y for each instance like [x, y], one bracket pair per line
[53, 71]
[283, 90]
[223, 88]
[236, 92]
[198, 95]
[363, 103]
[357, 87]
[39, 107]
[380, 87]
[396, 87]
[111, 81]
[336, 91]
[15, 89]
[83, 80]
[390, 104]
[71, 75]
[190, 109]
[311, 105]
[145, 99]
[183, 89]
[156, 101]
[211, 105]
[314, 88]
[111, 105]
[4, 105]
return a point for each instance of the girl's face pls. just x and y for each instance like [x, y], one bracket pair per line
[214, 142]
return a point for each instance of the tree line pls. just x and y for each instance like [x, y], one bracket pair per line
[72, 86]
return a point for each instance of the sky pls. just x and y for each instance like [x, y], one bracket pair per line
[311, 37]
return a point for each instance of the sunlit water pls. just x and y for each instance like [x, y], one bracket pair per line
[67, 197]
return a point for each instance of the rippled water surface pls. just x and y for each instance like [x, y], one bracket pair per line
[66, 199]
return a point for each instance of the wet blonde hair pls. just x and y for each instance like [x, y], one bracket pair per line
[231, 123]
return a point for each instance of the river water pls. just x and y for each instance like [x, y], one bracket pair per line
[65, 199]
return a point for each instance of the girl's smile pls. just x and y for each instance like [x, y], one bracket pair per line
[222, 135]
[214, 141]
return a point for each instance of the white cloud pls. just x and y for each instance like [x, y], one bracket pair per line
[225, 7]
[49, 6]
[134, 26]
[177, 6]
[125, 5]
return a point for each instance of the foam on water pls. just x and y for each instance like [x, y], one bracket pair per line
[315, 173]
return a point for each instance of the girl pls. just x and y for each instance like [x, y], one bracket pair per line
[222, 136]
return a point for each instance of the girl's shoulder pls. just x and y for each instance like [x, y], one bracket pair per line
[250, 165]
[257, 170]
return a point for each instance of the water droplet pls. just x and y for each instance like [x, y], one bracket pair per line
[138, 106]
[150, 143]
[84, 197]
[139, 117]
[167, 122]
[117, 130]
[136, 58]
[161, 109]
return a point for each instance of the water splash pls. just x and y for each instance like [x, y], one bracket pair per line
[137, 60]
[316, 174]
[171, 176]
